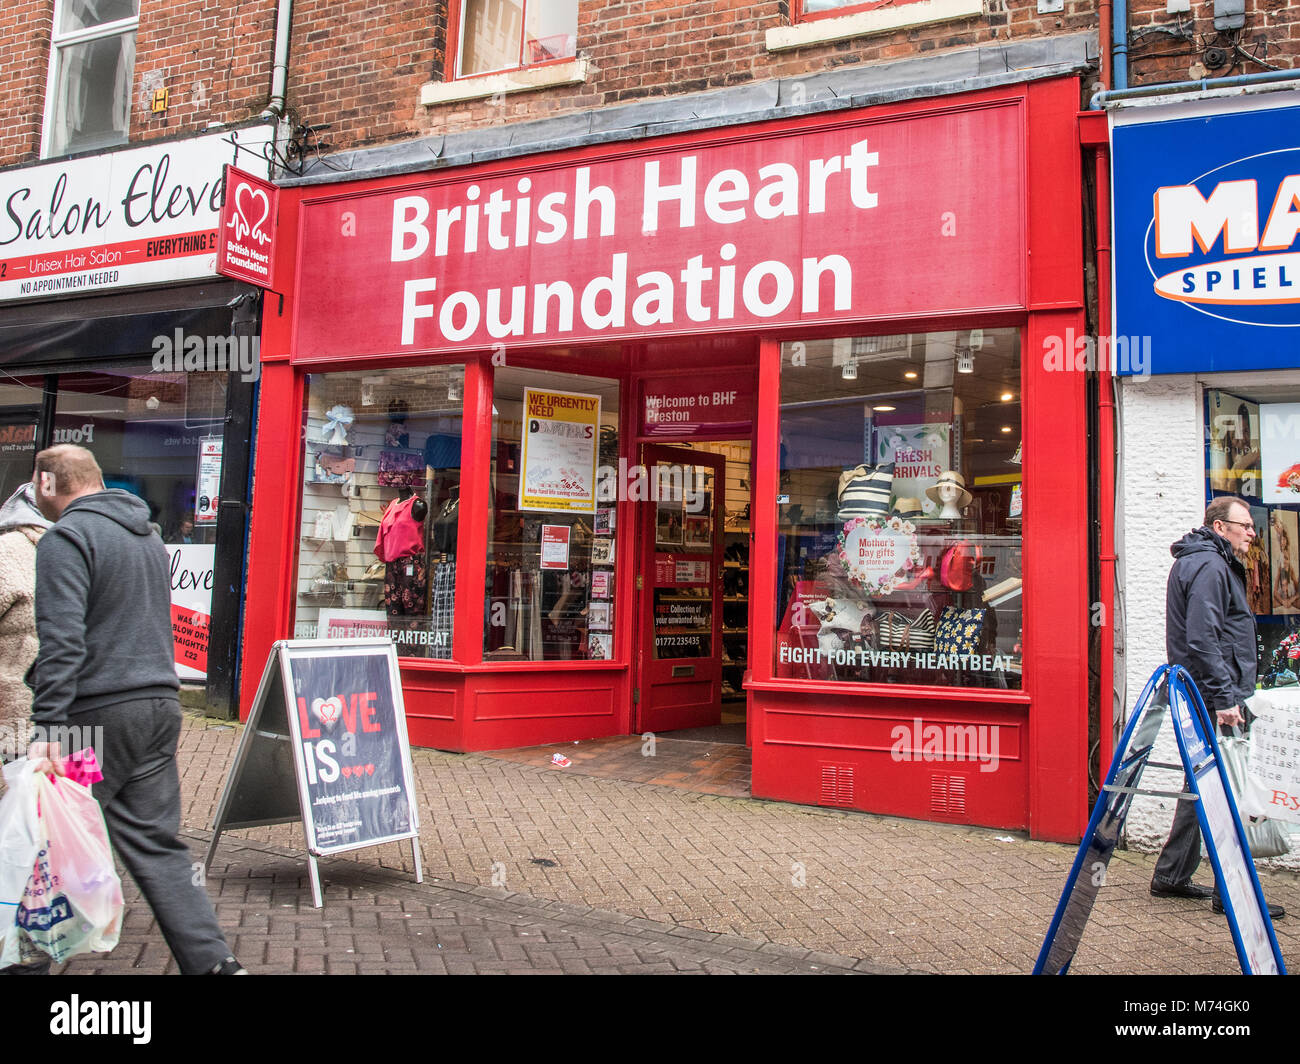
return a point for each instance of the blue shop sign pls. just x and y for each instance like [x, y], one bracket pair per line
[1207, 241]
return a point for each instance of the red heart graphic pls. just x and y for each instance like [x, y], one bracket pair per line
[347, 771]
[370, 770]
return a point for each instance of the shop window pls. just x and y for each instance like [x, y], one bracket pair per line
[497, 35]
[551, 557]
[1252, 451]
[815, 9]
[92, 63]
[380, 506]
[900, 501]
[20, 414]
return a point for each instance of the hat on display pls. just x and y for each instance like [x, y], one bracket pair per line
[908, 508]
[950, 476]
[864, 491]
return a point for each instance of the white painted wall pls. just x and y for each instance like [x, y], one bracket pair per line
[1161, 497]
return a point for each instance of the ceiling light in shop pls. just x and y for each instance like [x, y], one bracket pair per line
[965, 362]
[1008, 396]
[884, 408]
[910, 375]
[850, 371]
[1006, 428]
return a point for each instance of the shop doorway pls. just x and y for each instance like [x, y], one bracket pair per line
[693, 601]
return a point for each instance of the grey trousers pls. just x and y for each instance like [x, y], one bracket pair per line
[1181, 855]
[141, 798]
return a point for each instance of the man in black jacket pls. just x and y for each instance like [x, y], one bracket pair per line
[106, 664]
[1210, 631]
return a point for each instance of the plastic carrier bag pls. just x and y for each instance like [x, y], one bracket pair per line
[72, 902]
[1266, 837]
[20, 841]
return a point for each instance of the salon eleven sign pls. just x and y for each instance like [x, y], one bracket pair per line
[824, 223]
[1207, 238]
[141, 216]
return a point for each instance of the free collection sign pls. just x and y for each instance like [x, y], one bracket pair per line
[561, 432]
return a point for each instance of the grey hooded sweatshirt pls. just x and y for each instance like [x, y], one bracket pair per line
[103, 609]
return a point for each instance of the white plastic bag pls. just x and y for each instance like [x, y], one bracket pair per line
[1267, 837]
[73, 901]
[20, 840]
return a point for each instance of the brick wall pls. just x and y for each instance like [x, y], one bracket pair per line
[213, 56]
[1184, 47]
[25, 45]
[360, 66]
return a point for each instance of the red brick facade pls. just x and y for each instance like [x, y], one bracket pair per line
[358, 65]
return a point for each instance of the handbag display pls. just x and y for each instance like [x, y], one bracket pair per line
[960, 631]
[898, 631]
[333, 468]
[401, 469]
[958, 564]
[864, 491]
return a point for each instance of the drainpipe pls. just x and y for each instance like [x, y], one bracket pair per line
[1106, 472]
[1100, 99]
[280, 72]
[1118, 44]
[1106, 14]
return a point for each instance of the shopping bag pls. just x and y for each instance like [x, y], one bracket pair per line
[20, 840]
[1266, 837]
[73, 901]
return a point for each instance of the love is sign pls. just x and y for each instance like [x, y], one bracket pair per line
[247, 245]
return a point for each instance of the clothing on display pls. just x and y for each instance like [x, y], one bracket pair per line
[400, 533]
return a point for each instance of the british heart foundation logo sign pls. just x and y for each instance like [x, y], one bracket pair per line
[245, 250]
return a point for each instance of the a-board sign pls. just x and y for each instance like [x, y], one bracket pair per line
[326, 743]
[1170, 689]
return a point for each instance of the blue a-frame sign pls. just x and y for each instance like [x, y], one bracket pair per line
[1170, 688]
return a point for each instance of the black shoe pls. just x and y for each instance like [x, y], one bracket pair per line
[1187, 889]
[1275, 912]
[229, 966]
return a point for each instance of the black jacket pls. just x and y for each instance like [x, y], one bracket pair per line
[103, 609]
[1209, 628]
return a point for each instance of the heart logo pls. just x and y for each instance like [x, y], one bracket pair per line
[327, 710]
[347, 771]
[370, 770]
[246, 201]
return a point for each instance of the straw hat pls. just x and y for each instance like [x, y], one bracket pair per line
[908, 508]
[950, 476]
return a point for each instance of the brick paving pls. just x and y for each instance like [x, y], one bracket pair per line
[610, 875]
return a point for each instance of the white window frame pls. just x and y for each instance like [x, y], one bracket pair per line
[456, 68]
[59, 41]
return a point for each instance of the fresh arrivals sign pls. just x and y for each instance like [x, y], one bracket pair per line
[846, 222]
[1207, 239]
[137, 217]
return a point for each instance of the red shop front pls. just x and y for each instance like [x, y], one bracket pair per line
[745, 424]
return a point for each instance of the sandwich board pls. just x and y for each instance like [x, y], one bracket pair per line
[1170, 688]
[326, 744]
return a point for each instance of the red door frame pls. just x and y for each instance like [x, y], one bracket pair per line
[657, 680]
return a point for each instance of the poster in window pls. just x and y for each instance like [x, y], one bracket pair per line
[919, 453]
[1258, 571]
[600, 646]
[1284, 538]
[668, 523]
[600, 584]
[698, 531]
[598, 616]
[602, 552]
[561, 430]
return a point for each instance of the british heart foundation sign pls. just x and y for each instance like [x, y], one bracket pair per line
[246, 246]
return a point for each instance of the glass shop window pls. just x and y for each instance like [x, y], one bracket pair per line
[900, 500]
[551, 532]
[381, 496]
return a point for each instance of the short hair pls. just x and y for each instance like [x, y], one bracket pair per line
[1219, 508]
[74, 468]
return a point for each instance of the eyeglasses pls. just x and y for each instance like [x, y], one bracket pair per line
[1242, 524]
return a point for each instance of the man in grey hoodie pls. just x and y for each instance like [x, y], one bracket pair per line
[106, 661]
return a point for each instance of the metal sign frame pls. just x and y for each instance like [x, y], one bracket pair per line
[1169, 688]
[272, 723]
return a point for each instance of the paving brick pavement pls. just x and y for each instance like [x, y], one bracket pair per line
[856, 890]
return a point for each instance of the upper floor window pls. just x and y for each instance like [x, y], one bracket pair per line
[92, 62]
[811, 9]
[496, 35]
